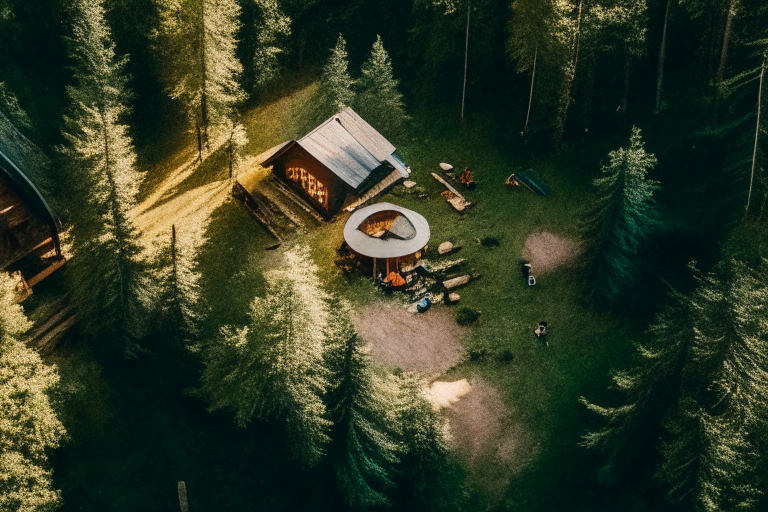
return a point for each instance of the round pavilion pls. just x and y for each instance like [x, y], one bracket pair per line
[389, 234]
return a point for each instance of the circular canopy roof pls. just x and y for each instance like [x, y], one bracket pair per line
[406, 234]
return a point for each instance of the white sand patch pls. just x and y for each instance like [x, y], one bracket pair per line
[444, 394]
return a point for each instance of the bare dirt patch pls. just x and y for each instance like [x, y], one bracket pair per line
[428, 342]
[546, 251]
[482, 429]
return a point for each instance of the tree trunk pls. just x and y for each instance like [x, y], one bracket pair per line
[626, 85]
[530, 98]
[662, 55]
[757, 136]
[199, 139]
[203, 79]
[173, 244]
[577, 40]
[726, 40]
[466, 54]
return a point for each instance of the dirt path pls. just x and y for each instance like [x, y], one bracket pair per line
[546, 251]
[428, 343]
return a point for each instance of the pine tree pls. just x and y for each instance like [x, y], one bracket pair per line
[622, 218]
[702, 378]
[710, 454]
[271, 27]
[622, 27]
[378, 101]
[650, 389]
[336, 92]
[236, 140]
[358, 405]
[9, 106]
[106, 277]
[179, 291]
[201, 69]
[273, 369]
[29, 427]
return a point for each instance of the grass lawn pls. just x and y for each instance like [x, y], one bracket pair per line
[134, 433]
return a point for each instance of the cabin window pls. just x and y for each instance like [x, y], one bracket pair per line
[309, 183]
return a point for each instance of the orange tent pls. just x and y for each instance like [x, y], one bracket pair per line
[395, 279]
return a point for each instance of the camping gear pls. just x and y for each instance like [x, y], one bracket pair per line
[512, 181]
[531, 281]
[532, 181]
[395, 280]
[423, 305]
[466, 179]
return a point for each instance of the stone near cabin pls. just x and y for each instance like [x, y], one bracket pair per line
[450, 284]
[445, 248]
[446, 167]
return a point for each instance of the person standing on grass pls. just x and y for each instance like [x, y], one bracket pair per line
[542, 330]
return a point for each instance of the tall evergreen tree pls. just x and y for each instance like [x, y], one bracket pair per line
[336, 91]
[273, 368]
[201, 70]
[622, 218]
[710, 456]
[703, 379]
[29, 427]
[179, 291]
[650, 389]
[378, 101]
[106, 277]
[358, 405]
[271, 28]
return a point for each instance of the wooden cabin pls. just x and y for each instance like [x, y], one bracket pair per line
[337, 164]
[29, 230]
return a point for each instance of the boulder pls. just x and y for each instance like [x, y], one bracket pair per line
[445, 248]
[453, 298]
[409, 183]
[446, 167]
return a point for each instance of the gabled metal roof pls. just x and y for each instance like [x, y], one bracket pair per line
[350, 147]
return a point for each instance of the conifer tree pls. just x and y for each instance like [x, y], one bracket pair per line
[271, 27]
[236, 140]
[650, 389]
[621, 219]
[273, 368]
[336, 92]
[29, 427]
[378, 101]
[706, 385]
[106, 277]
[358, 405]
[179, 291]
[9, 106]
[201, 69]
[621, 25]
[710, 455]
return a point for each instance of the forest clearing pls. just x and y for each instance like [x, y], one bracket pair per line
[427, 255]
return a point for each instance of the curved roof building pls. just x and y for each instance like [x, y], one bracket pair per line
[386, 231]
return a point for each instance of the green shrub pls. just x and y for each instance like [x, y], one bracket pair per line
[466, 316]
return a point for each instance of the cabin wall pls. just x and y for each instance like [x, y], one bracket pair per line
[336, 189]
[20, 231]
